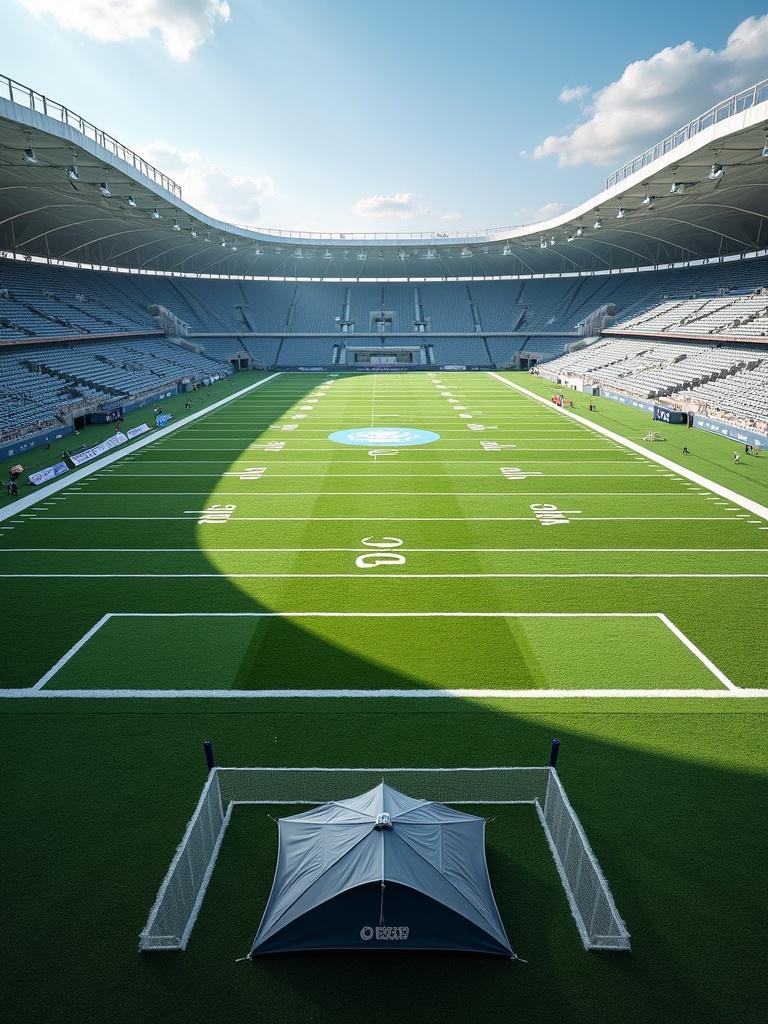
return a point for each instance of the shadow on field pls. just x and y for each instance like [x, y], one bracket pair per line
[669, 799]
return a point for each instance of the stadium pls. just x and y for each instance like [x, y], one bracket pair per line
[278, 532]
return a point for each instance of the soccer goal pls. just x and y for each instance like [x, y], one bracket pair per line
[180, 896]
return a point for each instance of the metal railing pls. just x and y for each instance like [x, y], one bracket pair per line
[32, 100]
[735, 104]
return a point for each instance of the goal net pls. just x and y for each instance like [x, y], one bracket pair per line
[180, 896]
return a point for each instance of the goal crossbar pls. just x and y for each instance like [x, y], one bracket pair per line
[181, 893]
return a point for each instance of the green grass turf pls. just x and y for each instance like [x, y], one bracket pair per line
[670, 791]
[266, 653]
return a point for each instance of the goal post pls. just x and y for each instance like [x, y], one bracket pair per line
[181, 893]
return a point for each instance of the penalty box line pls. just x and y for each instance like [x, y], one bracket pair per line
[38, 688]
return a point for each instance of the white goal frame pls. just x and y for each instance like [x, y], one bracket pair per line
[181, 893]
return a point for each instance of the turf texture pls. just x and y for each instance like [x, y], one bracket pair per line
[670, 791]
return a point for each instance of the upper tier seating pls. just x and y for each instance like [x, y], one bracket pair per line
[38, 300]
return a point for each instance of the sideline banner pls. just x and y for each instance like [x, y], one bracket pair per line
[78, 458]
[162, 419]
[135, 431]
[42, 476]
[730, 430]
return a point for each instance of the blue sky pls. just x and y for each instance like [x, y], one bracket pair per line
[354, 115]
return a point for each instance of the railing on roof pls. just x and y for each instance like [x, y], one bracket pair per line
[735, 104]
[26, 97]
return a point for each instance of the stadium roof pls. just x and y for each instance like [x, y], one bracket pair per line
[70, 192]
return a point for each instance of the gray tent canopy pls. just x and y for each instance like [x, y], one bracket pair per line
[381, 871]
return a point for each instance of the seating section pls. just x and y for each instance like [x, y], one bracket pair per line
[306, 352]
[743, 397]
[291, 324]
[459, 351]
[730, 380]
[44, 301]
[41, 384]
[743, 316]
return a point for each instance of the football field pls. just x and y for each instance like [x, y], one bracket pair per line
[432, 569]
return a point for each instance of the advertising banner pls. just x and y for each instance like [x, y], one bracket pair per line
[730, 430]
[78, 458]
[135, 431]
[42, 476]
[665, 415]
[618, 396]
[162, 419]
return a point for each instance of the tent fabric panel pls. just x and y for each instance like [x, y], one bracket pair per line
[351, 921]
[359, 866]
[305, 852]
[407, 869]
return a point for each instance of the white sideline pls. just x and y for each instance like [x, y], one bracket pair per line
[63, 482]
[730, 688]
[725, 492]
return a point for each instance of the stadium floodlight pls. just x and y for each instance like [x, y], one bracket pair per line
[466, 252]
[542, 242]
[104, 189]
[571, 237]
[176, 225]
[192, 233]
[552, 240]
[598, 224]
[676, 188]
[327, 255]
[716, 172]
[155, 214]
[298, 253]
[765, 147]
[223, 243]
[72, 173]
[507, 250]
[362, 256]
[648, 201]
[233, 248]
[29, 156]
[258, 251]
[579, 231]
[132, 202]
[621, 213]
[402, 255]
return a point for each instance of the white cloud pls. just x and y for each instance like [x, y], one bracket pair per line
[568, 94]
[210, 189]
[654, 96]
[402, 205]
[183, 25]
[451, 216]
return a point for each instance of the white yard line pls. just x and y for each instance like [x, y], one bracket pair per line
[120, 453]
[258, 493]
[740, 694]
[725, 492]
[533, 550]
[369, 575]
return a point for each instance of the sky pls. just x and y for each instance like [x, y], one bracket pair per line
[385, 115]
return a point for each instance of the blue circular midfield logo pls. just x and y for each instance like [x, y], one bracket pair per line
[392, 437]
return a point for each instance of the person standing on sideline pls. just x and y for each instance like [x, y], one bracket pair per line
[736, 458]
[685, 451]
